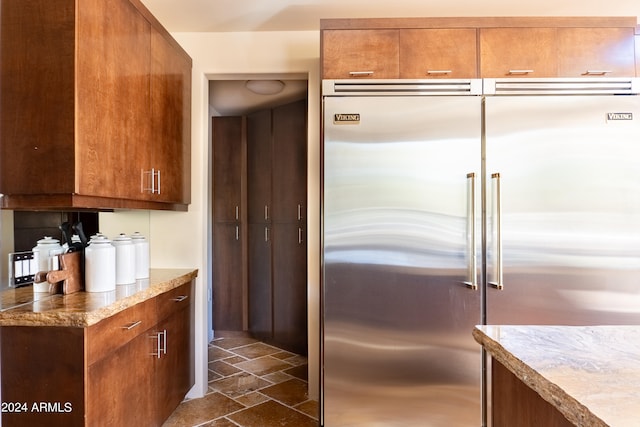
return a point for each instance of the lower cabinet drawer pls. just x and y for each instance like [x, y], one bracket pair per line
[174, 300]
[109, 334]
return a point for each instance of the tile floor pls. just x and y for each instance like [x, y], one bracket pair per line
[251, 384]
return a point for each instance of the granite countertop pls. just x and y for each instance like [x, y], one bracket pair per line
[591, 374]
[24, 307]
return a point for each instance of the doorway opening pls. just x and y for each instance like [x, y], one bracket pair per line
[259, 198]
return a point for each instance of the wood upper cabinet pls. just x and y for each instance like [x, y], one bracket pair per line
[170, 151]
[518, 52]
[259, 171]
[289, 163]
[399, 53]
[596, 52]
[484, 47]
[372, 54]
[99, 104]
[556, 52]
[438, 53]
[113, 85]
[229, 168]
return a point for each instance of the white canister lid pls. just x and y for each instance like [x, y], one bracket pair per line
[48, 240]
[122, 239]
[99, 240]
[137, 237]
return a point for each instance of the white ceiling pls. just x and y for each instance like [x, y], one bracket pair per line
[228, 97]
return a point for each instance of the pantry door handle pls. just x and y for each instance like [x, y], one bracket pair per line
[497, 232]
[472, 267]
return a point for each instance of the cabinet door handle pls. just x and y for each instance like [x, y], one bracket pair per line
[299, 235]
[597, 72]
[132, 325]
[266, 212]
[432, 72]
[158, 352]
[299, 212]
[520, 71]
[360, 73]
[150, 185]
[237, 232]
[266, 234]
[164, 341]
[181, 298]
[237, 213]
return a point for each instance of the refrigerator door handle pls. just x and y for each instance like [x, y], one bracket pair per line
[472, 283]
[497, 232]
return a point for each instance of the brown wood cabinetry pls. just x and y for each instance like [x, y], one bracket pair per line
[229, 223]
[364, 53]
[513, 403]
[418, 48]
[438, 53]
[556, 52]
[276, 143]
[96, 98]
[273, 305]
[132, 368]
[518, 52]
[399, 53]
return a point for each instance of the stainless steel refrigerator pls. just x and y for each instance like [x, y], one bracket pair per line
[448, 204]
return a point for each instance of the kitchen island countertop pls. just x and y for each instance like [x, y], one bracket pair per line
[590, 374]
[24, 307]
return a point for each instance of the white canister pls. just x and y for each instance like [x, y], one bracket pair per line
[142, 255]
[125, 260]
[100, 266]
[45, 258]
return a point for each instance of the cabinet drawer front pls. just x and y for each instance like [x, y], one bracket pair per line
[174, 300]
[109, 334]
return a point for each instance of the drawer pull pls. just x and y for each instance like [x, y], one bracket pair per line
[520, 71]
[597, 72]
[360, 73]
[181, 298]
[132, 325]
[431, 72]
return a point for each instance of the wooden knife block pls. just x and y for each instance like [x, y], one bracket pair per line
[70, 278]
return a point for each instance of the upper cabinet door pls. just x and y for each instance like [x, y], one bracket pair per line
[229, 164]
[112, 126]
[518, 52]
[438, 53]
[596, 52]
[369, 54]
[170, 149]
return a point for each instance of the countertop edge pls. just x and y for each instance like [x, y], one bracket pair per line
[164, 281]
[567, 405]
